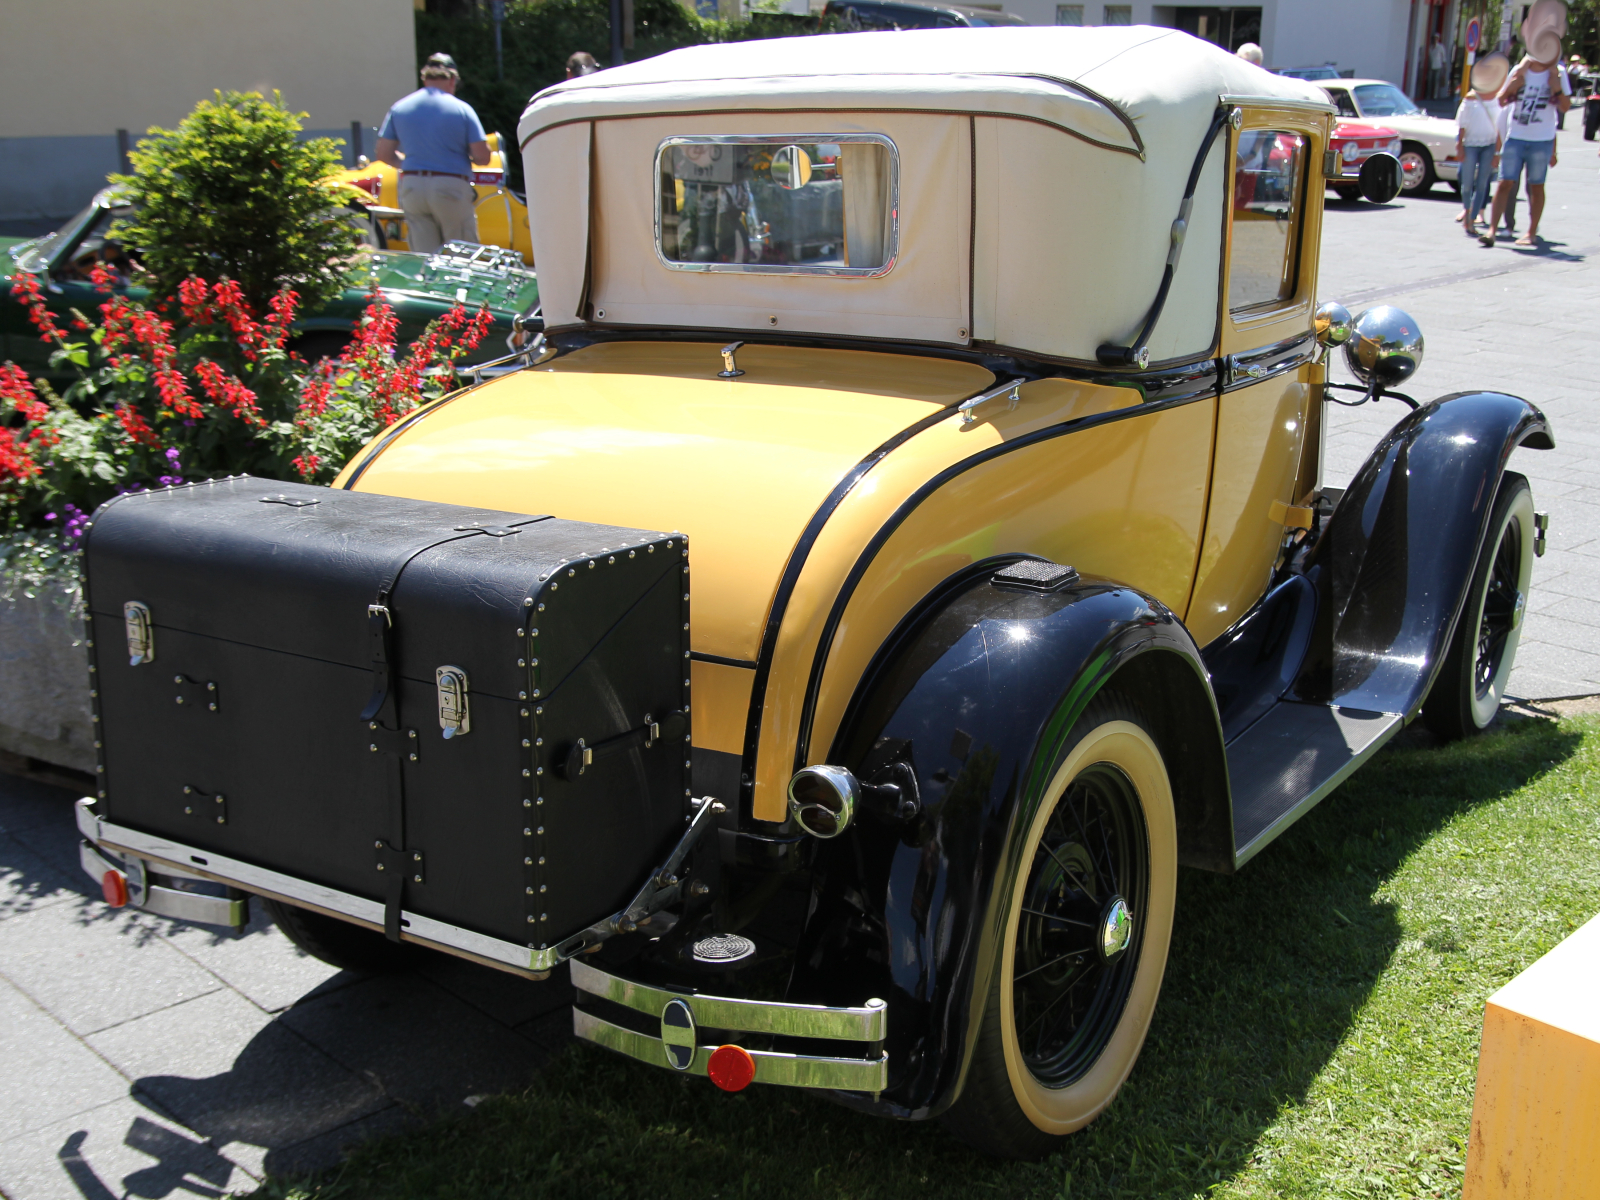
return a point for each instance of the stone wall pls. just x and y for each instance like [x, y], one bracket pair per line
[44, 684]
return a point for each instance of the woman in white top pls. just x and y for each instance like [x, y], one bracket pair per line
[1477, 143]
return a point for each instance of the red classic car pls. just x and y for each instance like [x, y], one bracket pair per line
[1355, 142]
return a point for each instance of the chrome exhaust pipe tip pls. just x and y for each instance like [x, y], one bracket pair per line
[823, 799]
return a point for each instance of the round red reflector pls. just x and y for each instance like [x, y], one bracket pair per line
[114, 886]
[731, 1068]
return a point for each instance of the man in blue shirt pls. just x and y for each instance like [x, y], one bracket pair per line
[434, 139]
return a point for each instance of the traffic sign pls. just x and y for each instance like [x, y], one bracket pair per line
[1474, 33]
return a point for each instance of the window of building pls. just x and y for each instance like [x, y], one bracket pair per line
[1069, 14]
[824, 204]
[1119, 14]
[1267, 174]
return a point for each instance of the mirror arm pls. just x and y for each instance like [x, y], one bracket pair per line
[1138, 353]
[1368, 394]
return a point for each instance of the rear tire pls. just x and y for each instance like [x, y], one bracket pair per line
[1048, 1057]
[338, 943]
[1467, 693]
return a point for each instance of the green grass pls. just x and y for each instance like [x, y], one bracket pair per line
[1317, 1033]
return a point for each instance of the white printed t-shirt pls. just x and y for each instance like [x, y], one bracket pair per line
[1533, 113]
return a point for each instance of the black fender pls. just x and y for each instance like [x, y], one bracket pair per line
[1392, 564]
[947, 731]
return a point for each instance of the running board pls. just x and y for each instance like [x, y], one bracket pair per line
[1290, 759]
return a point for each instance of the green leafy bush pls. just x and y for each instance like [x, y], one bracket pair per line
[233, 193]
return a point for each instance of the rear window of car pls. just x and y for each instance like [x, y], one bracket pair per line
[1342, 102]
[811, 204]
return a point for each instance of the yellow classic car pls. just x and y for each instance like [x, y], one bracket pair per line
[979, 377]
[374, 187]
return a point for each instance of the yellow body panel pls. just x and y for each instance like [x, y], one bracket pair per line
[1124, 499]
[1536, 1112]
[502, 218]
[1260, 430]
[645, 435]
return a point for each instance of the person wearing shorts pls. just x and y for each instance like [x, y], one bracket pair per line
[434, 139]
[1535, 93]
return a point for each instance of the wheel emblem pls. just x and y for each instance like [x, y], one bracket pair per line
[678, 1034]
[1116, 929]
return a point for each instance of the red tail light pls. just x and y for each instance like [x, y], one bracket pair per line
[114, 887]
[371, 184]
[731, 1068]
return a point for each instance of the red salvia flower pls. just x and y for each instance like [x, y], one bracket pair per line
[17, 390]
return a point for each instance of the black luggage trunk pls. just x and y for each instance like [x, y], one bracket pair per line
[292, 708]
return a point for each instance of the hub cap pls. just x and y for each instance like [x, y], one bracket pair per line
[1116, 929]
[1072, 967]
[1412, 170]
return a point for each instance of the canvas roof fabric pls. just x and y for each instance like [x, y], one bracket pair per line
[1040, 173]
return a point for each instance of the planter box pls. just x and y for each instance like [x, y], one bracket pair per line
[44, 685]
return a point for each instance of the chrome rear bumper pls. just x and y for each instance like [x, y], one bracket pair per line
[865, 1027]
[174, 858]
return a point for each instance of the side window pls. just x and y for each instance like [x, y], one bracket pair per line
[1342, 102]
[1267, 184]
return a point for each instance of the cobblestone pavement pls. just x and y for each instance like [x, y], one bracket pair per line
[1504, 319]
[147, 1057]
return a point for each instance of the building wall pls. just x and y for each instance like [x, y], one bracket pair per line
[73, 72]
[1366, 36]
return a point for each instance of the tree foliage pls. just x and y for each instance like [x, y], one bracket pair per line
[538, 35]
[234, 193]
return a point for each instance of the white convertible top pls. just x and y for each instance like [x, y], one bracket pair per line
[1040, 172]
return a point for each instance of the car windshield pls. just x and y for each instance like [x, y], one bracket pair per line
[38, 255]
[1385, 100]
[93, 246]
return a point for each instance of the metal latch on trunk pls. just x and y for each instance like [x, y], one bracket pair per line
[454, 716]
[141, 633]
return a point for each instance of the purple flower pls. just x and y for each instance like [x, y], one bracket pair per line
[49, 516]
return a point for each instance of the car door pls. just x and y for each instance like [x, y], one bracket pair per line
[1274, 226]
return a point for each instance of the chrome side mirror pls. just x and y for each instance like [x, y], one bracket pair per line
[1380, 178]
[1332, 324]
[1386, 349]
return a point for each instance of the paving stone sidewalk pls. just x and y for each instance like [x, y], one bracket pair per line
[1504, 319]
[146, 1057]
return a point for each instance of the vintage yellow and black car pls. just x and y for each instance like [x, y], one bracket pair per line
[917, 493]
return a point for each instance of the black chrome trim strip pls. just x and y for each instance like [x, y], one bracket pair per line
[867, 556]
[791, 576]
[747, 664]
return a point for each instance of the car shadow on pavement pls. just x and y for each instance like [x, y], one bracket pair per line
[366, 1055]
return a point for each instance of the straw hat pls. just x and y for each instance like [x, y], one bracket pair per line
[1543, 30]
[1489, 74]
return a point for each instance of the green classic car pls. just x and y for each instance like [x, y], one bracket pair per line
[419, 287]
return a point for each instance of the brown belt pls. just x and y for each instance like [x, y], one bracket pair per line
[438, 174]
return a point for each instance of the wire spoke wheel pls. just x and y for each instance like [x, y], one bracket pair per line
[1077, 939]
[1088, 889]
[1466, 695]
[1502, 609]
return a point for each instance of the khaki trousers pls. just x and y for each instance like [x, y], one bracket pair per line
[439, 209]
